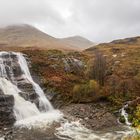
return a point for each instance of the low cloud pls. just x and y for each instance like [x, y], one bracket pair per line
[97, 20]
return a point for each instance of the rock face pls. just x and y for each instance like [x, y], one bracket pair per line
[28, 92]
[72, 64]
[7, 117]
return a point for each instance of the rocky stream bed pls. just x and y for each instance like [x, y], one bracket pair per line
[81, 121]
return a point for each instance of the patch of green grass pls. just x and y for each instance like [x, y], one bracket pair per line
[136, 119]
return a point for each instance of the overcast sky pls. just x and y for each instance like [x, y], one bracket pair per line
[97, 20]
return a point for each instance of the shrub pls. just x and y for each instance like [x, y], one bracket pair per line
[86, 92]
[96, 68]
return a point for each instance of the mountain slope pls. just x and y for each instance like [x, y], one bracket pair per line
[127, 42]
[121, 63]
[29, 36]
[78, 42]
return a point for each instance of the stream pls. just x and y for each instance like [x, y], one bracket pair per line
[43, 122]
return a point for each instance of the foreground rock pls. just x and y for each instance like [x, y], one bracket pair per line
[93, 116]
[46, 133]
[7, 117]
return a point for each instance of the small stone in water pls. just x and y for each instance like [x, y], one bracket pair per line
[4, 128]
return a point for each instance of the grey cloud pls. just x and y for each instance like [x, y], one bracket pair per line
[28, 11]
[98, 20]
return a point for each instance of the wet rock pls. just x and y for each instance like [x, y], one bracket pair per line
[57, 101]
[28, 92]
[135, 102]
[7, 117]
[122, 119]
[16, 70]
[50, 94]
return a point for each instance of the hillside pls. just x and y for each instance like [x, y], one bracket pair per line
[122, 73]
[98, 81]
[78, 42]
[113, 68]
[29, 36]
[108, 72]
[133, 41]
[119, 68]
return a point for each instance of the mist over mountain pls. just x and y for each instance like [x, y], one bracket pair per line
[24, 35]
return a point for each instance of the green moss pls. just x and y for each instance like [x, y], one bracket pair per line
[122, 119]
[136, 117]
[130, 117]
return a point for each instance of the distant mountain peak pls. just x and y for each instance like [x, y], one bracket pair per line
[78, 42]
[24, 35]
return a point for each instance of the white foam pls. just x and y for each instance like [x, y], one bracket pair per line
[8, 84]
[125, 115]
[22, 108]
[76, 131]
[40, 121]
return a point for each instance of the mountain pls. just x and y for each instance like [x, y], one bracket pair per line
[78, 42]
[129, 41]
[29, 36]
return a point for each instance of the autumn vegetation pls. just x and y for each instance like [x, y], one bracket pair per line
[109, 72]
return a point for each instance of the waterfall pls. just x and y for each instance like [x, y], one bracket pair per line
[13, 70]
[125, 115]
[23, 109]
[43, 101]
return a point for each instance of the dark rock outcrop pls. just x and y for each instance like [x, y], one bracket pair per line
[28, 93]
[7, 117]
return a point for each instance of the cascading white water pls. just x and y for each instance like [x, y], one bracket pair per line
[43, 101]
[76, 131]
[3, 66]
[22, 109]
[125, 115]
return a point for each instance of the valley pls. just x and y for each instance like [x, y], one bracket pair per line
[57, 93]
